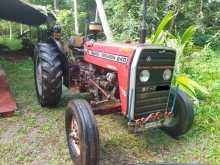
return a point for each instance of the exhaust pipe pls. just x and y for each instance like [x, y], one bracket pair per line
[143, 32]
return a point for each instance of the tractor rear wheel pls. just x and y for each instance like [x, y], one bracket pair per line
[48, 74]
[82, 133]
[183, 117]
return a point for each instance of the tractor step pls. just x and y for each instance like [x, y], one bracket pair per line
[7, 101]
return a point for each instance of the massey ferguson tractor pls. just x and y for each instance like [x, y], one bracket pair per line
[133, 79]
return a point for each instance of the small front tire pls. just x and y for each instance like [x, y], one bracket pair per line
[183, 117]
[82, 133]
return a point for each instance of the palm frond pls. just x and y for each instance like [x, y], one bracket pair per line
[189, 86]
[187, 35]
[162, 25]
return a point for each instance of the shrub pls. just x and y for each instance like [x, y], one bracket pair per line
[13, 44]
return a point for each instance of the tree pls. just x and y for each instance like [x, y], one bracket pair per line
[55, 4]
[10, 30]
[75, 6]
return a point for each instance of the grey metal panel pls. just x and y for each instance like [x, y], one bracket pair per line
[23, 12]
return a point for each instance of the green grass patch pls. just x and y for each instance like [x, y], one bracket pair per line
[36, 135]
[13, 44]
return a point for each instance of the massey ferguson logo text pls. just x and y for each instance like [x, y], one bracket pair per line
[112, 57]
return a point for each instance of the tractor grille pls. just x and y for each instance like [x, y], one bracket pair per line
[153, 95]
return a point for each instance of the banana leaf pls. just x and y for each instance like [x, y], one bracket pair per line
[189, 86]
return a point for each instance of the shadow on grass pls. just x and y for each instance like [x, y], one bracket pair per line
[152, 145]
[119, 145]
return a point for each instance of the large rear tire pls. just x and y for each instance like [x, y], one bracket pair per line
[183, 117]
[82, 133]
[48, 74]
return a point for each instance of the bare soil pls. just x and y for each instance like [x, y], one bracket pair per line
[13, 56]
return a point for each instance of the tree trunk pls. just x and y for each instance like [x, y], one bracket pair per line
[201, 9]
[103, 19]
[172, 25]
[10, 31]
[176, 12]
[76, 16]
[155, 3]
[55, 4]
[21, 29]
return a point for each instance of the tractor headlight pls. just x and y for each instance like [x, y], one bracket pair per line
[167, 74]
[144, 76]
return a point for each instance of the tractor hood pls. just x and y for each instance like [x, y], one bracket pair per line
[23, 12]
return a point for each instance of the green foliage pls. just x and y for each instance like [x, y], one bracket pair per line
[187, 35]
[179, 43]
[214, 41]
[124, 18]
[157, 36]
[66, 19]
[12, 45]
[189, 86]
[204, 15]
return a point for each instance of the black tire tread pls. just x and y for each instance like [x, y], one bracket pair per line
[52, 74]
[186, 117]
[90, 134]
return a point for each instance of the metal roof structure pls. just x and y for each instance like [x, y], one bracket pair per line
[23, 12]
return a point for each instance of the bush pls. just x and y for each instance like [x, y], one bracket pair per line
[13, 44]
[210, 37]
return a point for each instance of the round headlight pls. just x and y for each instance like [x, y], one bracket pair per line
[144, 76]
[167, 74]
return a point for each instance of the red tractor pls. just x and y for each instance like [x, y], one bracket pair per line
[132, 79]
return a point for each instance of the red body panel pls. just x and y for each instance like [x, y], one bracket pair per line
[7, 101]
[122, 69]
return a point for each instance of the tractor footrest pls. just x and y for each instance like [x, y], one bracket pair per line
[7, 101]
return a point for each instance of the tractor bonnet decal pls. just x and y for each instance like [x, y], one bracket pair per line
[108, 56]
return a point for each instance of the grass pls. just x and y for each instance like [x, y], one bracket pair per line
[12, 45]
[36, 135]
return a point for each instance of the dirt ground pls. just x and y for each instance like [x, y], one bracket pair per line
[13, 57]
[36, 136]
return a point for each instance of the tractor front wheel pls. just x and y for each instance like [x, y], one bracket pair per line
[183, 117]
[82, 133]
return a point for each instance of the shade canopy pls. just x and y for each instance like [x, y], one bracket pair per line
[23, 12]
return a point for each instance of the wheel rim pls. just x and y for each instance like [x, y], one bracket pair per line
[74, 136]
[39, 76]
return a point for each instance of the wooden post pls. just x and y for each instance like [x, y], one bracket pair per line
[104, 21]
[96, 15]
